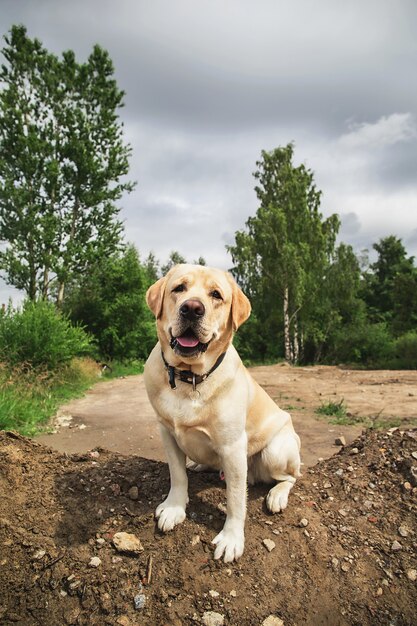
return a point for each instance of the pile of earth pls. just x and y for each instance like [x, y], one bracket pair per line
[343, 553]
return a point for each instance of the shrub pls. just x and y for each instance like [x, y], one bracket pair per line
[40, 336]
[110, 302]
[406, 351]
[368, 344]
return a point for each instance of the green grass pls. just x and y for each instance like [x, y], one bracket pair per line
[29, 397]
[336, 410]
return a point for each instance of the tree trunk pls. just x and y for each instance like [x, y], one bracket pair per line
[32, 287]
[60, 297]
[45, 283]
[287, 331]
[296, 345]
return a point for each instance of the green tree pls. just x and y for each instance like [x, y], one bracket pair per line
[284, 252]
[174, 259]
[390, 286]
[109, 302]
[336, 305]
[63, 164]
[151, 266]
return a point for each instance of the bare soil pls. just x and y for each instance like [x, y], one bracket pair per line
[345, 548]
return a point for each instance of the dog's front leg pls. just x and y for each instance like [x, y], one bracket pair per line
[172, 510]
[230, 541]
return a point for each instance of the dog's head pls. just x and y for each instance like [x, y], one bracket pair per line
[197, 309]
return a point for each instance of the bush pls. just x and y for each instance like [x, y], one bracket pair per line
[110, 303]
[40, 336]
[368, 344]
[406, 351]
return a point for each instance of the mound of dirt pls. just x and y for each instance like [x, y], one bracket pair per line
[343, 553]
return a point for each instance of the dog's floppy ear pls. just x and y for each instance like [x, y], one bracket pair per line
[241, 307]
[155, 296]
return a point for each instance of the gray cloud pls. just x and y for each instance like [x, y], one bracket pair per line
[210, 84]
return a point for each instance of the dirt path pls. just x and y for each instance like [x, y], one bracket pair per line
[117, 415]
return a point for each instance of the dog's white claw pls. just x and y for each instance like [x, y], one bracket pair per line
[197, 467]
[277, 498]
[169, 516]
[230, 544]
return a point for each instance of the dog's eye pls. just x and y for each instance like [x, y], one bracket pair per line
[216, 294]
[178, 289]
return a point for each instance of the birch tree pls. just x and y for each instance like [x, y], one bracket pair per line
[287, 245]
[63, 164]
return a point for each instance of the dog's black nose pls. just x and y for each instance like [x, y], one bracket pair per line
[192, 309]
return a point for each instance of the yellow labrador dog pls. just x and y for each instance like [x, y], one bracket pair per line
[208, 406]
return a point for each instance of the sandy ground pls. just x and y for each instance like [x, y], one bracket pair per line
[116, 414]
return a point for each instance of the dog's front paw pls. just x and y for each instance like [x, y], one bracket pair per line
[169, 515]
[230, 543]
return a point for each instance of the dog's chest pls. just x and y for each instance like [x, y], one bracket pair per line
[188, 419]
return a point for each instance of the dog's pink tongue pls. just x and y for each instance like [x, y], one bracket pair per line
[188, 342]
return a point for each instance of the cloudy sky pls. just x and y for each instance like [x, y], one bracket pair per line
[211, 83]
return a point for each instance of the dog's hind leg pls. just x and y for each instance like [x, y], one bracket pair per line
[280, 461]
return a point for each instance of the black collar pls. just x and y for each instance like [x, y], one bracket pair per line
[187, 376]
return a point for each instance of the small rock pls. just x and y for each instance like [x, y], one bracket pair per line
[94, 454]
[74, 585]
[407, 486]
[234, 594]
[414, 455]
[116, 559]
[39, 554]
[100, 542]
[94, 561]
[303, 522]
[133, 493]
[379, 591]
[139, 601]
[335, 563]
[412, 574]
[354, 451]
[123, 620]
[342, 512]
[269, 544]
[272, 620]
[339, 472]
[340, 441]
[345, 567]
[327, 485]
[195, 540]
[396, 546]
[214, 594]
[403, 531]
[211, 618]
[371, 485]
[126, 542]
